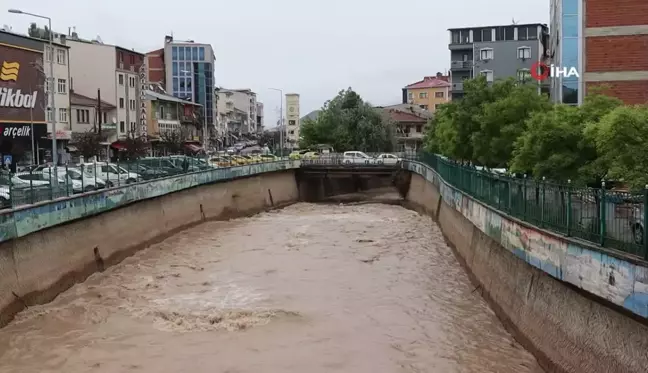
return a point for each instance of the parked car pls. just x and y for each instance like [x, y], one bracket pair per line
[356, 157]
[388, 159]
[112, 174]
[80, 182]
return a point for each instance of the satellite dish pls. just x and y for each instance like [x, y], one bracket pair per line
[114, 120]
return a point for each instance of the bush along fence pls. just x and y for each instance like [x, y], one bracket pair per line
[604, 217]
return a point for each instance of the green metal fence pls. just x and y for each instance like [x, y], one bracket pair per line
[40, 183]
[611, 219]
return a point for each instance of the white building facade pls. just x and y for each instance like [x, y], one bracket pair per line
[292, 120]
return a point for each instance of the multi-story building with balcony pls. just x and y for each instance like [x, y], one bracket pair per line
[259, 117]
[189, 70]
[292, 120]
[108, 73]
[238, 111]
[428, 93]
[495, 52]
[410, 123]
[606, 42]
[173, 118]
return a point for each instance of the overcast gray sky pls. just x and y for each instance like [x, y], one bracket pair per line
[311, 47]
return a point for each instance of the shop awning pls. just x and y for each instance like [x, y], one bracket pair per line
[118, 146]
[193, 148]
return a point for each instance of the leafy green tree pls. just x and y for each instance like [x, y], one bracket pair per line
[551, 146]
[348, 123]
[503, 120]
[622, 141]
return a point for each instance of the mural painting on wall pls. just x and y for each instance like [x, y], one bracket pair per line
[540, 251]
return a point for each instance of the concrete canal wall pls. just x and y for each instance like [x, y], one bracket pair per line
[578, 308]
[46, 248]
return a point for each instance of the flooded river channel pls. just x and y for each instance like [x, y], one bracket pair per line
[310, 288]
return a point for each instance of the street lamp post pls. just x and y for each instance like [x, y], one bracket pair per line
[51, 83]
[281, 121]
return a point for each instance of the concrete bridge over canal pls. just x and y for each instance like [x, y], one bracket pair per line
[185, 285]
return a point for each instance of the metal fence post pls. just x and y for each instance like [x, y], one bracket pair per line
[542, 202]
[643, 225]
[524, 198]
[569, 208]
[603, 218]
[510, 197]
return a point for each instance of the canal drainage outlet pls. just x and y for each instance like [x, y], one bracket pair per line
[229, 320]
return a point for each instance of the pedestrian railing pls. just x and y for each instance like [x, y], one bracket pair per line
[608, 218]
[45, 182]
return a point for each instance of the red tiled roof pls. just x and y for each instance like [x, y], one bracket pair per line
[399, 117]
[438, 81]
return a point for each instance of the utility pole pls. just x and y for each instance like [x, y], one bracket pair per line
[99, 110]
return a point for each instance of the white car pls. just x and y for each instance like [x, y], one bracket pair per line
[355, 157]
[110, 173]
[79, 181]
[388, 159]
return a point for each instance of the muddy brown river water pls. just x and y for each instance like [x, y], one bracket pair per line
[310, 288]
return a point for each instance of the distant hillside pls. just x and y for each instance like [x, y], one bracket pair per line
[312, 115]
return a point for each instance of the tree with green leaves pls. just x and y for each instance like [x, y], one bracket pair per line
[88, 143]
[348, 123]
[621, 139]
[559, 143]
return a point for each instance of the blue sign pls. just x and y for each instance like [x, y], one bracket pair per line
[6, 159]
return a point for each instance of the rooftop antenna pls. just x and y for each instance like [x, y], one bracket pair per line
[514, 21]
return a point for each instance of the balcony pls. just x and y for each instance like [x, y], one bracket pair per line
[457, 87]
[460, 46]
[461, 65]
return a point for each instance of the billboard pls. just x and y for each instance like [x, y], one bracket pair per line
[22, 81]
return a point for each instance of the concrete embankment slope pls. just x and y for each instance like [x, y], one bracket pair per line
[566, 328]
[37, 267]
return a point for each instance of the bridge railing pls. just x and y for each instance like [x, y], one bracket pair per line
[606, 217]
[338, 159]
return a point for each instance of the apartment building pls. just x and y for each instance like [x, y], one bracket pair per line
[238, 111]
[259, 117]
[495, 52]
[428, 93]
[189, 74]
[111, 72]
[26, 67]
[85, 116]
[606, 42]
[292, 119]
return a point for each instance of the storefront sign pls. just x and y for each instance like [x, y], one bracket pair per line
[61, 135]
[21, 85]
[143, 117]
[21, 131]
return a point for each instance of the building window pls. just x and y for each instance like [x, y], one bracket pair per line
[528, 33]
[48, 54]
[63, 115]
[121, 79]
[423, 95]
[174, 53]
[524, 53]
[132, 81]
[83, 116]
[47, 86]
[132, 59]
[201, 53]
[61, 56]
[570, 92]
[62, 86]
[121, 126]
[161, 112]
[487, 34]
[570, 26]
[486, 54]
[132, 104]
[419, 128]
[410, 95]
[121, 103]
[524, 75]
[438, 94]
[488, 74]
[49, 114]
[424, 107]
[194, 54]
[105, 117]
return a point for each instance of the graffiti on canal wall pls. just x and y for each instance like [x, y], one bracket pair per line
[29, 219]
[618, 281]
